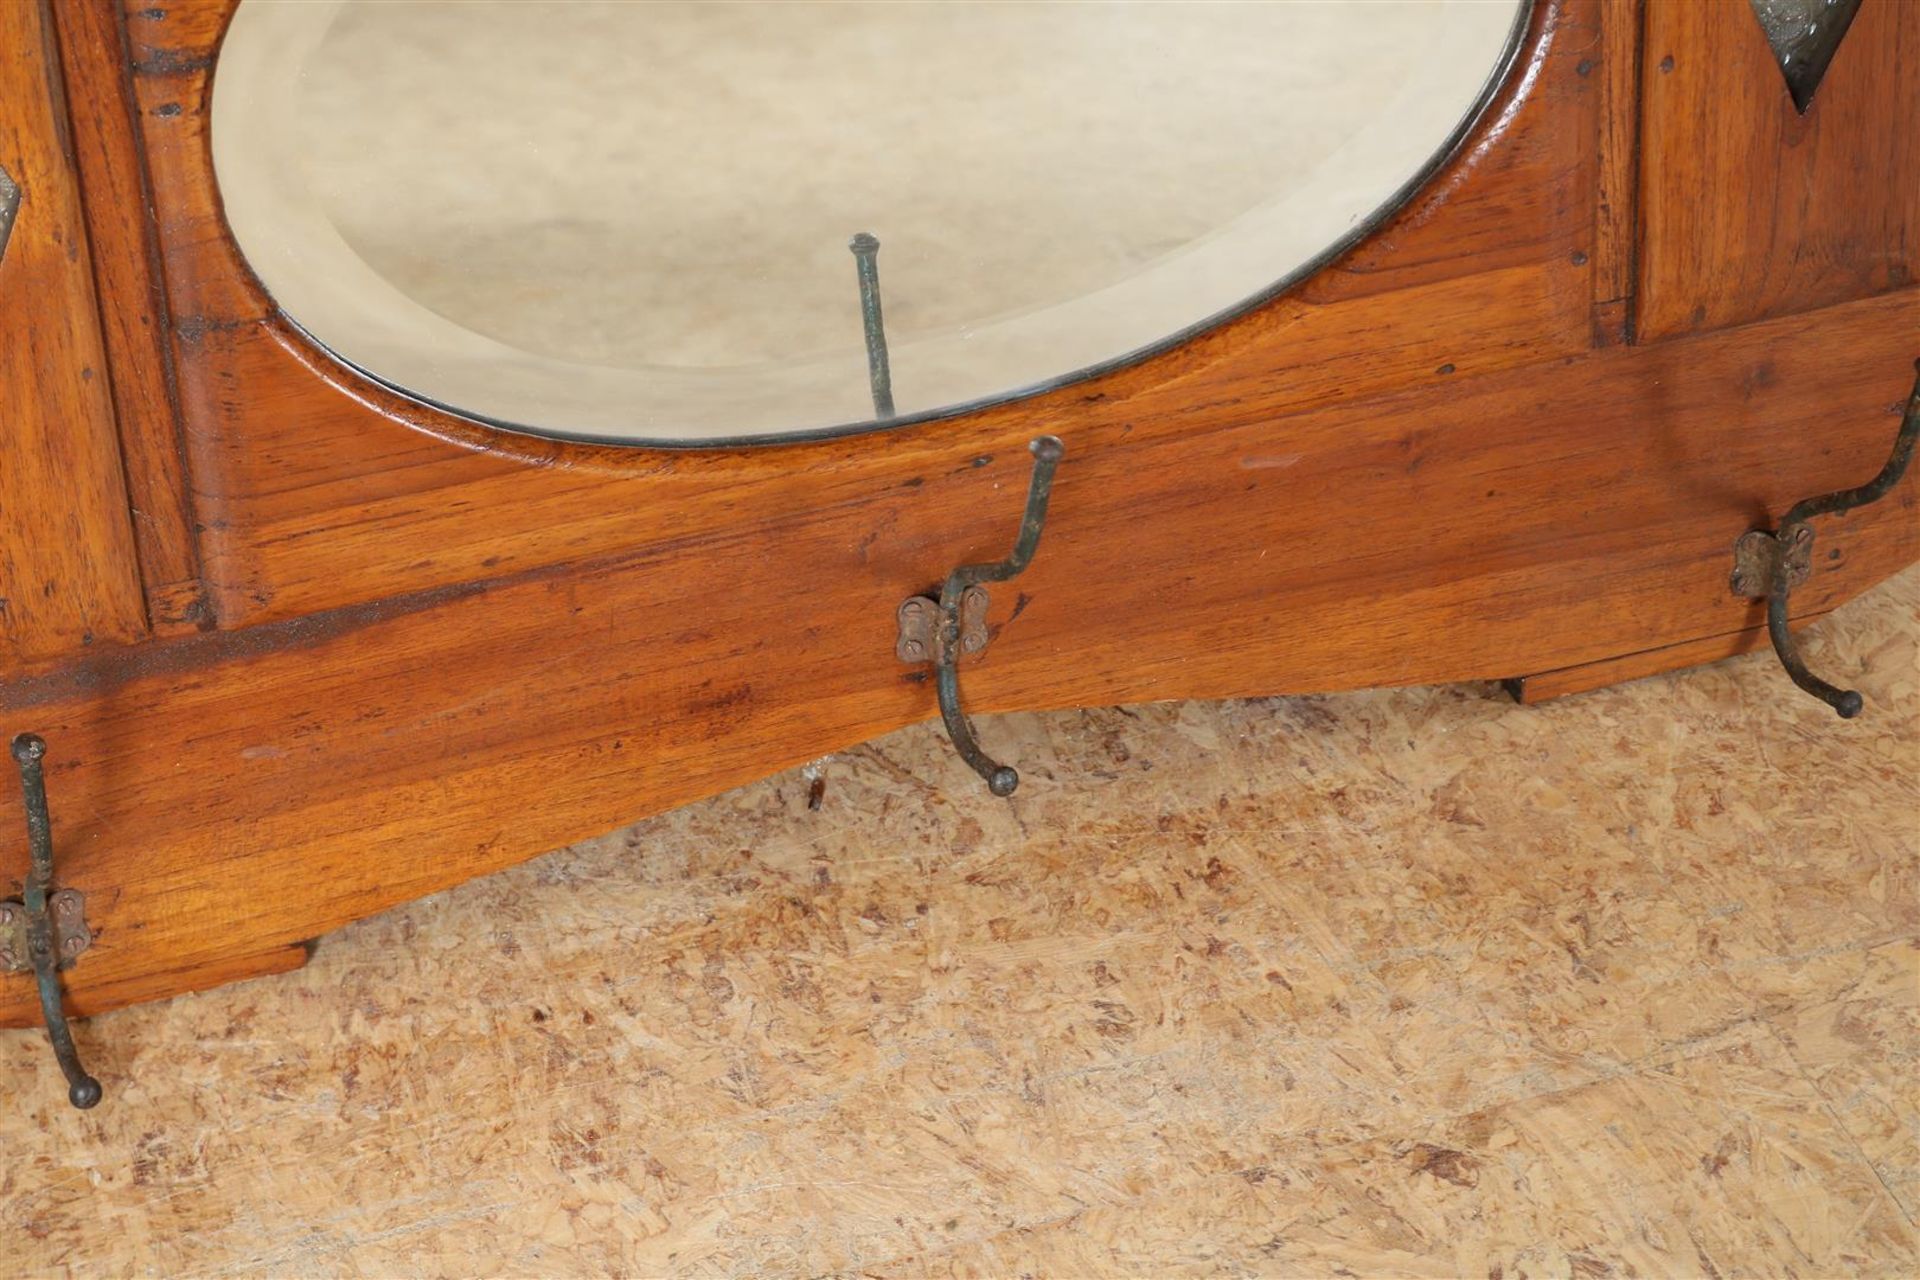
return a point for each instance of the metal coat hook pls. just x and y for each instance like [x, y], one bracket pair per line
[956, 624]
[1773, 564]
[866, 260]
[47, 930]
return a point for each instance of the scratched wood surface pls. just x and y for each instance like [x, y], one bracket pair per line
[340, 765]
[1615, 59]
[67, 571]
[1487, 487]
[1414, 983]
[1751, 209]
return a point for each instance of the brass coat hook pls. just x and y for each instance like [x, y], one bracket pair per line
[941, 631]
[1773, 564]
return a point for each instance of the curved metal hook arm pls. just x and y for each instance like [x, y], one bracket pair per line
[1047, 452]
[956, 624]
[1784, 559]
[1833, 504]
[1002, 779]
[28, 751]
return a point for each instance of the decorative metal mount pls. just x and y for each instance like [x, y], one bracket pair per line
[866, 261]
[942, 631]
[9, 205]
[47, 930]
[1805, 34]
[923, 639]
[1771, 565]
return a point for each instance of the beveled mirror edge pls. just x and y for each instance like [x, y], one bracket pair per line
[1519, 53]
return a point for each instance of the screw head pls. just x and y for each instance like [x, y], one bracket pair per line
[73, 944]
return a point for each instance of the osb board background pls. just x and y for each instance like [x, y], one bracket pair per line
[1411, 983]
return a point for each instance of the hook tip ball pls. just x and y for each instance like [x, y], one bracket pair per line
[84, 1093]
[1848, 704]
[29, 746]
[1004, 781]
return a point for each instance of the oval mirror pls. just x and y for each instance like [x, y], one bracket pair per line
[632, 222]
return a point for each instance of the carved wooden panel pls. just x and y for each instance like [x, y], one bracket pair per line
[1752, 209]
[119, 214]
[68, 576]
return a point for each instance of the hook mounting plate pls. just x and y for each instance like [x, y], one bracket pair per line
[922, 639]
[71, 936]
[1758, 553]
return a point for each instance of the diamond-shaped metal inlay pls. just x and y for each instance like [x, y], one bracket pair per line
[9, 203]
[1804, 35]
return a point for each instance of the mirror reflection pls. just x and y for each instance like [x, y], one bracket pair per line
[692, 223]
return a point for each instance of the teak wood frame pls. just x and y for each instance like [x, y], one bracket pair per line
[303, 649]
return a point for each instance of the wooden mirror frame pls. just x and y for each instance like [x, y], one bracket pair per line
[303, 649]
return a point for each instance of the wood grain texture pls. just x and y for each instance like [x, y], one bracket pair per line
[443, 650]
[163, 983]
[1750, 209]
[320, 489]
[229, 793]
[67, 576]
[119, 213]
[1616, 61]
[1544, 686]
